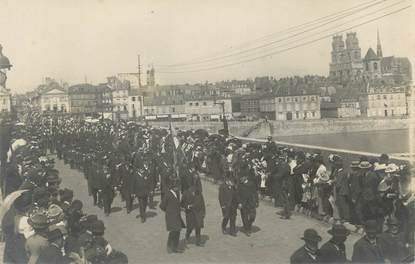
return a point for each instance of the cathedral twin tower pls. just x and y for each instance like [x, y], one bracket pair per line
[347, 63]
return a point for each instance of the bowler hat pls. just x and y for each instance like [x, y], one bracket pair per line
[66, 194]
[371, 226]
[76, 205]
[339, 230]
[97, 227]
[311, 235]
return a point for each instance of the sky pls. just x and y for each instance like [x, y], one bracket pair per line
[80, 40]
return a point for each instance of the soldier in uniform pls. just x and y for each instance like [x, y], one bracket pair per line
[229, 203]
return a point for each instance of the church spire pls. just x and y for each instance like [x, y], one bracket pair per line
[379, 47]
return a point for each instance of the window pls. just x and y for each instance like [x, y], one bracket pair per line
[375, 66]
[296, 99]
[297, 115]
[313, 114]
[204, 103]
[367, 66]
[304, 98]
[385, 97]
[133, 98]
[190, 104]
[288, 99]
[196, 104]
[279, 100]
[312, 98]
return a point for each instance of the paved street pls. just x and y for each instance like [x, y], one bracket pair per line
[273, 240]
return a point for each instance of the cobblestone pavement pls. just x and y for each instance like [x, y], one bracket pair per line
[273, 241]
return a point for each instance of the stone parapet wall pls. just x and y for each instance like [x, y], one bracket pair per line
[296, 128]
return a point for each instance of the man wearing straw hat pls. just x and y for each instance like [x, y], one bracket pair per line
[39, 241]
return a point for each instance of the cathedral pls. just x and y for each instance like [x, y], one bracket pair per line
[347, 63]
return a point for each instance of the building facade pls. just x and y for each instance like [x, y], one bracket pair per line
[297, 107]
[84, 99]
[162, 106]
[207, 108]
[54, 100]
[383, 102]
[349, 107]
[135, 104]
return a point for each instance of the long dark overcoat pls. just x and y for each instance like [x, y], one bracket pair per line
[171, 206]
[195, 209]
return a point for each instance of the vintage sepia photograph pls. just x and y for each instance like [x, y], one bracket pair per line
[189, 131]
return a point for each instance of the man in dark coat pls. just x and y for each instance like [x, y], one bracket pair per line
[128, 185]
[95, 182]
[142, 190]
[334, 250]
[308, 253]
[369, 249]
[174, 223]
[228, 201]
[392, 242]
[107, 191]
[284, 176]
[247, 202]
[194, 205]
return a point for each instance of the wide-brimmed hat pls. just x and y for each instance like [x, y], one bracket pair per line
[354, 164]
[365, 165]
[38, 221]
[311, 235]
[55, 212]
[391, 168]
[339, 230]
[379, 167]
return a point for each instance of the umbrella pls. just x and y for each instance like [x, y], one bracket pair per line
[8, 201]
